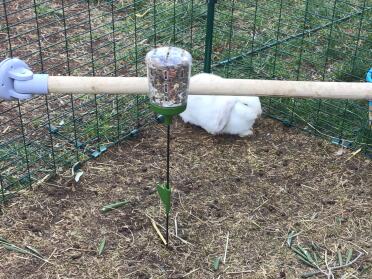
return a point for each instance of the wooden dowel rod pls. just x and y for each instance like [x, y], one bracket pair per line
[98, 85]
[236, 87]
[279, 88]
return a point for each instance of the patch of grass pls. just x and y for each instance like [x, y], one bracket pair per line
[321, 259]
[44, 9]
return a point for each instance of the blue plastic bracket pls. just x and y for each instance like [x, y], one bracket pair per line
[18, 82]
[369, 79]
[369, 76]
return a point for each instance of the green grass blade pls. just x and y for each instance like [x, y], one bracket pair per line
[216, 263]
[14, 248]
[310, 258]
[339, 257]
[349, 255]
[315, 246]
[298, 252]
[11, 247]
[309, 274]
[302, 255]
[101, 246]
[316, 257]
[290, 238]
[306, 254]
[34, 251]
[3, 240]
[112, 206]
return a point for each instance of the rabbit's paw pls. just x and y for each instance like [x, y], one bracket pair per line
[245, 134]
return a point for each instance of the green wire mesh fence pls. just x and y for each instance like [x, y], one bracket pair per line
[300, 40]
[297, 40]
[45, 135]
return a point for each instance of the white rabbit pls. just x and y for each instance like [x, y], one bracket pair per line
[222, 114]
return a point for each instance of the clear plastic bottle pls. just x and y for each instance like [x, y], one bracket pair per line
[168, 72]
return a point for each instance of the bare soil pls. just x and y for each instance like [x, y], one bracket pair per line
[254, 189]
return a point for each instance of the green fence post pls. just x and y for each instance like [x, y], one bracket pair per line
[209, 36]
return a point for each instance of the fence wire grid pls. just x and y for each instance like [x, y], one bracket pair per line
[266, 39]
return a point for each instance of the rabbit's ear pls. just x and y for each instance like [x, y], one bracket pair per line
[223, 115]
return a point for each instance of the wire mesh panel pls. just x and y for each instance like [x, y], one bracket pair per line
[300, 40]
[45, 135]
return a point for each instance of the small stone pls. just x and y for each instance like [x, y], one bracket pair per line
[76, 255]
[329, 202]
[278, 152]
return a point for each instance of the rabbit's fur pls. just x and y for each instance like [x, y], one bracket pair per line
[233, 115]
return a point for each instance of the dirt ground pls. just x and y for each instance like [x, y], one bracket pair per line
[255, 190]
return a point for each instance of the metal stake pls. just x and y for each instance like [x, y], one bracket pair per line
[168, 182]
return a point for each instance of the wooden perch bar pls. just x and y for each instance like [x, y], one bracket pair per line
[97, 85]
[237, 87]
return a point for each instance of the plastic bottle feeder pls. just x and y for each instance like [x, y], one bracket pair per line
[168, 73]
